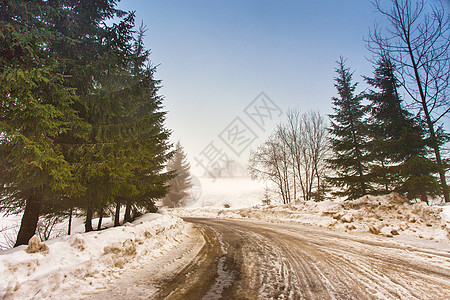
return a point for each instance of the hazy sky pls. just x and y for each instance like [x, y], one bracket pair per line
[216, 57]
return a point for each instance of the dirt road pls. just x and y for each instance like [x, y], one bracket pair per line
[248, 260]
[233, 259]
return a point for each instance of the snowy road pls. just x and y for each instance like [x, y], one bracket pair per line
[248, 260]
[256, 260]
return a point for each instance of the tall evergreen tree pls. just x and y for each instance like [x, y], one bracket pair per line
[121, 162]
[182, 180]
[53, 57]
[398, 144]
[349, 138]
[417, 39]
[36, 106]
[151, 145]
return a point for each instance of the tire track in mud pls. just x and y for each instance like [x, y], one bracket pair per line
[390, 272]
[196, 279]
[250, 260]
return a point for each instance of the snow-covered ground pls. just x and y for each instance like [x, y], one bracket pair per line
[236, 192]
[10, 224]
[81, 264]
[389, 215]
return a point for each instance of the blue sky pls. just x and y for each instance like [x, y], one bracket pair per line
[215, 57]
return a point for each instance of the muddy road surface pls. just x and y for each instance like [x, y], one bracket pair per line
[234, 259]
[249, 260]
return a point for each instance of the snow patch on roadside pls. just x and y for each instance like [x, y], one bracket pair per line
[388, 215]
[446, 213]
[80, 264]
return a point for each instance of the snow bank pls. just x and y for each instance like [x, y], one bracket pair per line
[387, 215]
[9, 227]
[83, 263]
[446, 213]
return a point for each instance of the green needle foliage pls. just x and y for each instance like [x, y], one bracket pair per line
[348, 139]
[36, 107]
[181, 183]
[398, 145]
[81, 121]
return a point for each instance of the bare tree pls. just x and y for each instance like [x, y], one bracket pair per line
[230, 167]
[270, 161]
[305, 134]
[417, 40]
[290, 133]
[8, 235]
[294, 156]
[316, 139]
[46, 227]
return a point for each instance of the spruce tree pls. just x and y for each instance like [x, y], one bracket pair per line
[53, 55]
[151, 148]
[182, 180]
[122, 161]
[100, 79]
[398, 146]
[36, 105]
[348, 138]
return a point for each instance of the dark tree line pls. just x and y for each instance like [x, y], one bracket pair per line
[81, 121]
[383, 145]
[379, 147]
[417, 41]
[373, 145]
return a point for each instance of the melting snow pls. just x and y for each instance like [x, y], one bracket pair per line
[84, 263]
[388, 215]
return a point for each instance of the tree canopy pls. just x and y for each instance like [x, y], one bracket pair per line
[81, 120]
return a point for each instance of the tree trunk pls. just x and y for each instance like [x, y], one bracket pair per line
[430, 125]
[444, 186]
[88, 224]
[69, 229]
[294, 181]
[423, 196]
[127, 217]
[30, 218]
[100, 219]
[386, 186]
[437, 153]
[117, 214]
